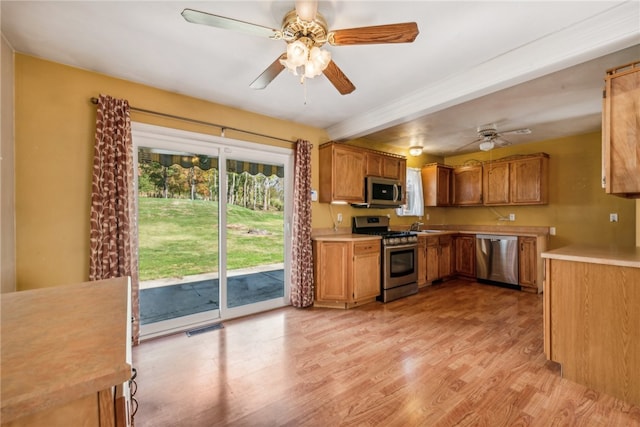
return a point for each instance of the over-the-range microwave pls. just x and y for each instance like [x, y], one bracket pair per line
[381, 193]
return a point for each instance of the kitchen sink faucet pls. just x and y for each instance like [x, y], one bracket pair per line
[416, 226]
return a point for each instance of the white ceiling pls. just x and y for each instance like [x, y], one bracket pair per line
[535, 64]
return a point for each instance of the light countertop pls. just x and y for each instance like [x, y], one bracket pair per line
[345, 237]
[622, 257]
[62, 343]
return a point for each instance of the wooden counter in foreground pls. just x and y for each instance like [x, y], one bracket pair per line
[592, 317]
[65, 350]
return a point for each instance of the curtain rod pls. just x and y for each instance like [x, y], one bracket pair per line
[200, 122]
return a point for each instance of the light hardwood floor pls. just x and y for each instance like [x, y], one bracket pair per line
[457, 354]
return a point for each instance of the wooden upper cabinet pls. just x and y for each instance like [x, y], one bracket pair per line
[528, 180]
[343, 169]
[394, 168]
[342, 172]
[621, 131]
[374, 164]
[496, 183]
[385, 166]
[467, 185]
[520, 180]
[436, 184]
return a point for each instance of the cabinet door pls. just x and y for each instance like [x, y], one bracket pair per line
[465, 255]
[621, 131]
[467, 185]
[374, 164]
[528, 266]
[444, 186]
[446, 256]
[366, 270]
[433, 259]
[436, 185]
[393, 168]
[422, 261]
[332, 271]
[528, 181]
[496, 183]
[348, 175]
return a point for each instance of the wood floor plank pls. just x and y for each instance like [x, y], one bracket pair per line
[456, 354]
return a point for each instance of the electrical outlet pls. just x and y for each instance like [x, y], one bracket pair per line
[339, 218]
[552, 231]
[427, 217]
[512, 217]
[613, 217]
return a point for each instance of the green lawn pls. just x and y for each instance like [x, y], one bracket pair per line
[179, 237]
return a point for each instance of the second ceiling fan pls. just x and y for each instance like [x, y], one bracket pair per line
[489, 137]
[305, 31]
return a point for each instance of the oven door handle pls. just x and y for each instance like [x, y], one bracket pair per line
[407, 246]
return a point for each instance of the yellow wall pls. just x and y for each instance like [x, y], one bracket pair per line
[54, 135]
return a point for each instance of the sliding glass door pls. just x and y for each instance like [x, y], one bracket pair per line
[213, 221]
[255, 229]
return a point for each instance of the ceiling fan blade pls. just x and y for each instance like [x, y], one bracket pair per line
[338, 79]
[467, 145]
[392, 33]
[502, 142]
[197, 17]
[267, 76]
[523, 131]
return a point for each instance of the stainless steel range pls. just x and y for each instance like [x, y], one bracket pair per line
[399, 268]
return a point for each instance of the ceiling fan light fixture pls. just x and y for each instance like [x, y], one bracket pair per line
[415, 151]
[297, 54]
[314, 60]
[486, 145]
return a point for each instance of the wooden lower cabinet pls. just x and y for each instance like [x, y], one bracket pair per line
[591, 324]
[346, 272]
[422, 261]
[465, 255]
[438, 258]
[528, 264]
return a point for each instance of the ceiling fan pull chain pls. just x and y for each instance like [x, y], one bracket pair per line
[304, 84]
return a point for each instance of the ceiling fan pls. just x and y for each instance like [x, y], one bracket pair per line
[305, 31]
[489, 137]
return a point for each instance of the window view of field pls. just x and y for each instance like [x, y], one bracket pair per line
[178, 226]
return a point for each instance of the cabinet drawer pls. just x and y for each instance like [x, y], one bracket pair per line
[433, 241]
[366, 247]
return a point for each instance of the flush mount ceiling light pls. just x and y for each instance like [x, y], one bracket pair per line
[416, 150]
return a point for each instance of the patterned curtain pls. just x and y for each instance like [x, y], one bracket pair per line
[302, 271]
[113, 221]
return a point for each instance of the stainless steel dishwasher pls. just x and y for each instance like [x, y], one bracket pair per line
[497, 258]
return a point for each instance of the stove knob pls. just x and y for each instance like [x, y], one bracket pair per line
[403, 239]
[393, 241]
